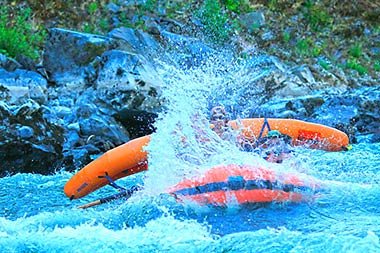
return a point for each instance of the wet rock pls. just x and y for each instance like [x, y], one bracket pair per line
[72, 139]
[135, 41]
[358, 108]
[355, 111]
[29, 143]
[112, 7]
[5, 111]
[75, 158]
[68, 53]
[91, 123]
[375, 137]
[304, 73]
[124, 79]
[253, 20]
[116, 70]
[22, 84]
[104, 131]
[25, 132]
[137, 122]
[27, 63]
[8, 64]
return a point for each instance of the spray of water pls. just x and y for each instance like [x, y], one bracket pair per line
[184, 145]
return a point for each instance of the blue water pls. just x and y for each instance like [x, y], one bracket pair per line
[35, 215]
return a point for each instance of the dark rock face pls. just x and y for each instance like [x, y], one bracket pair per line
[68, 54]
[137, 122]
[28, 143]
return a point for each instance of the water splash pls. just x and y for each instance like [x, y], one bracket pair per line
[183, 144]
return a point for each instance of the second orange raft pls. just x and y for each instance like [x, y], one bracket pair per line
[243, 184]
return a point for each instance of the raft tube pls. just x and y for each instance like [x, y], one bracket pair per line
[122, 161]
[310, 135]
[234, 184]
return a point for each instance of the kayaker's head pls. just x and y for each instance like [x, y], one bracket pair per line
[218, 113]
[276, 146]
[218, 118]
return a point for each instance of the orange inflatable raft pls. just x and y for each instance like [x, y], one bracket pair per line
[311, 135]
[119, 162]
[243, 184]
[131, 158]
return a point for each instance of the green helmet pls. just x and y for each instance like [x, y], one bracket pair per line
[274, 133]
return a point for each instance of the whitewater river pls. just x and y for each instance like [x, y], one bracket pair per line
[36, 216]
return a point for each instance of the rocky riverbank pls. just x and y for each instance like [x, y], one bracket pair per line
[92, 93]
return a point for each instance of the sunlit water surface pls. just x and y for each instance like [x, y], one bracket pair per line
[35, 216]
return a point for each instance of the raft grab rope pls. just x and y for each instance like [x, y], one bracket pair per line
[112, 182]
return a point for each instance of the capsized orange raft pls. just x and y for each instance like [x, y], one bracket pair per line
[311, 135]
[131, 158]
[243, 184]
[119, 162]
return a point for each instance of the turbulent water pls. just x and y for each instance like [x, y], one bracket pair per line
[36, 216]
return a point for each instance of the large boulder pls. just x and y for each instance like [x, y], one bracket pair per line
[135, 41]
[68, 53]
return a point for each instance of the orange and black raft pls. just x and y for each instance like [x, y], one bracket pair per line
[122, 161]
[130, 158]
[242, 184]
[310, 135]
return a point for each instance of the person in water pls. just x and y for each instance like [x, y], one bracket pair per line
[274, 147]
[219, 120]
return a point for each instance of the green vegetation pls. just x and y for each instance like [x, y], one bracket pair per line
[219, 18]
[92, 8]
[324, 64]
[325, 29]
[232, 5]
[272, 5]
[308, 48]
[214, 21]
[376, 66]
[355, 65]
[316, 15]
[354, 62]
[356, 51]
[18, 36]
[303, 47]
[237, 6]
[286, 37]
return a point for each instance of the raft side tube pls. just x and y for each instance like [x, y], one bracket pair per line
[124, 160]
[244, 184]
